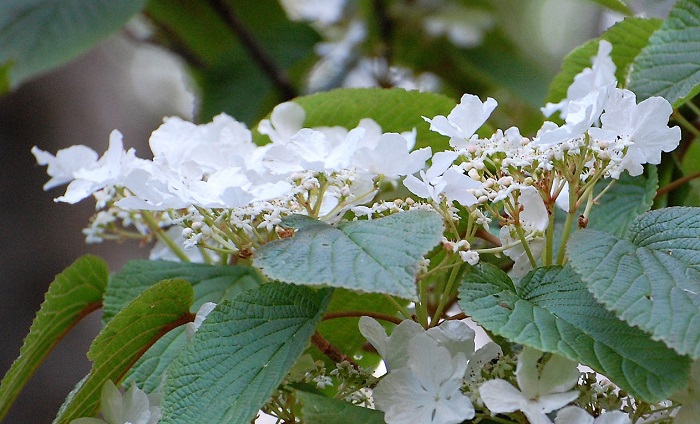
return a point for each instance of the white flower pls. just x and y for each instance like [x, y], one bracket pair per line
[390, 157]
[689, 398]
[202, 313]
[427, 389]
[62, 167]
[463, 120]
[135, 407]
[393, 348]
[442, 179]
[540, 392]
[285, 120]
[644, 126]
[600, 75]
[464, 27]
[576, 415]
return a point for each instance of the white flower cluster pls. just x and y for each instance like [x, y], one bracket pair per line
[604, 134]
[134, 407]
[427, 370]
[212, 176]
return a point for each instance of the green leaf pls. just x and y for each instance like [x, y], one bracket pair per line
[38, 35]
[614, 5]
[628, 198]
[377, 256]
[551, 310]
[651, 278]
[211, 284]
[125, 338]
[668, 65]
[241, 353]
[627, 37]
[317, 409]
[74, 293]
[396, 110]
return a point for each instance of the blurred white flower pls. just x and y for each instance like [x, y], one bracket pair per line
[542, 389]
[324, 12]
[202, 313]
[576, 415]
[135, 407]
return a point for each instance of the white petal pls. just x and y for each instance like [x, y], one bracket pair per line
[501, 397]
[573, 415]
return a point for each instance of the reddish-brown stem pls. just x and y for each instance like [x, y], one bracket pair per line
[355, 314]
[331, 351]
[485, 235]
[675, 184]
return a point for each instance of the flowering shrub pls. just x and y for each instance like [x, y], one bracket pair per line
[271, 242]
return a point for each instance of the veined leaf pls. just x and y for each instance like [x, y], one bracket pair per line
[37, 35]
[377, 256]
[668, 66]
[241, 353]
[74, 293]
[551, 310]
[211, 283]
[650, 278]
[125, 338]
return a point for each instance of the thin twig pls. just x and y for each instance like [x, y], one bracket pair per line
[175, 43]
[331, 351]
[355, 314]
[386, 28]
[266, 63]
[675, 184]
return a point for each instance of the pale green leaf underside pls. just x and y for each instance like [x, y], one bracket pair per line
[317, 409]
[377, 256]
[241, 353]
[669, 66]
[627, 37]
[37, 35]
[124, 339]
[651, 279]
[73, 294]
[551, 310]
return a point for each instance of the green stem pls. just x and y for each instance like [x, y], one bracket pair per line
[398, 307]
[445, 295]
[685, 123]
[549, 241]
[152, 224]
[567, 225]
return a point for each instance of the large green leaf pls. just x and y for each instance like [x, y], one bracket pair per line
[74, 293]
[125, 338]
[37, 35]
[396, 110]
[651, 278]
[317, 409]
[551, 310]
[619, 6]
[241, 353]
[627, 37]
[668, 66]
[211, 284]
[377, 256]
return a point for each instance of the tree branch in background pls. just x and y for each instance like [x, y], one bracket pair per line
[386, 28]
[277, 75]
[173, 42]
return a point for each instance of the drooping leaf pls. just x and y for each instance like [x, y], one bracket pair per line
[241, 353]
[668, 66]
[551, 310]
[619, 6]
[125, 338]
[38, 35]
[74, 293]
[377, 256]
[396, 110]
[650, 278]
[318, 409]
[211, 284]
[627, 37]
